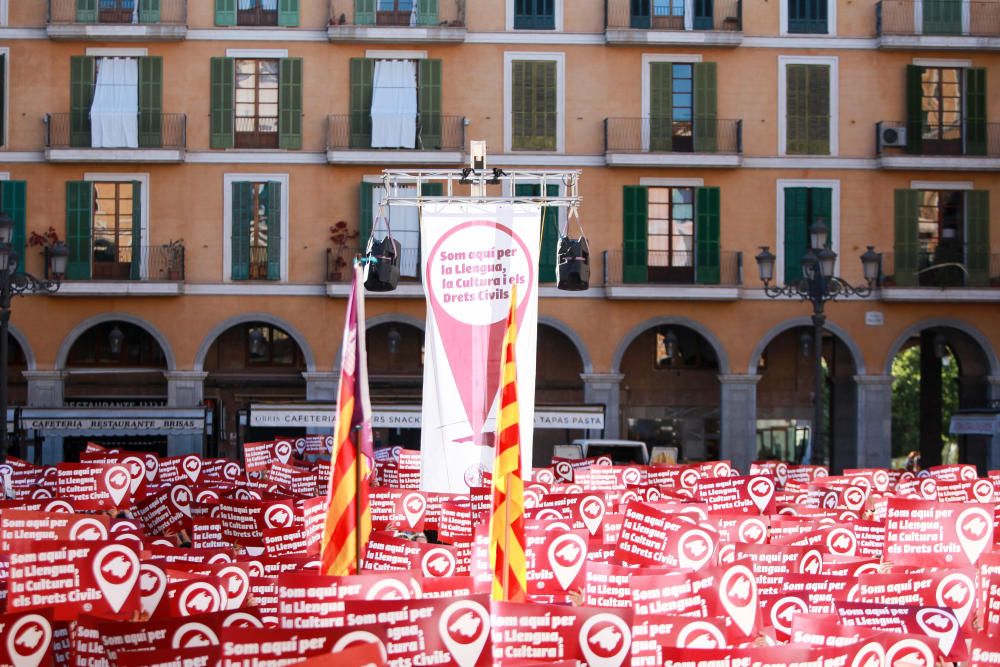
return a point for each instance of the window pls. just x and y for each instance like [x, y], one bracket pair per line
[116, 102]
[257, 12]
[807, 105]
[535, 107]
[256, 230]
[117, 11]
[671, 235]
[395, 104]
[946, 110]
[677, 348]
[404, 220]
[269, 346]
[802, 204]
[3, 95]
[941, 108]
[256, 101]
[942, 238]
[256, 104]
[396, 12]
[672, 14]
[944, 17]
[534, 15]
[104, 228]
[807, 16]
[671, 107]
[112, 232]
[13, 202]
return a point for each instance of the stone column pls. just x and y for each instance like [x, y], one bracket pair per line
[322, 387]
[993, 457]
[45, 390]
[844, 443]
[874, 421]
[605, 389]
[186, 389]
[738, 423]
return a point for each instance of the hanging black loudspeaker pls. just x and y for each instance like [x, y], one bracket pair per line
[382, 264]
[574, 264]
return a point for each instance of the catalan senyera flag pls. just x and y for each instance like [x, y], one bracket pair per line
[507, 543]
[348, 517]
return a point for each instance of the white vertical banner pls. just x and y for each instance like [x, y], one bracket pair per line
[471, 256]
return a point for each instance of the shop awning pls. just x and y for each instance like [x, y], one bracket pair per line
[322, 415]
[110, 422]
[975, 423]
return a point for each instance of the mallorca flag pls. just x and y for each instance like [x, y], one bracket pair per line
[348, 518]
[507, 560]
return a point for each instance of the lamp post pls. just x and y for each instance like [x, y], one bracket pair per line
[12, 283]
[818, 285]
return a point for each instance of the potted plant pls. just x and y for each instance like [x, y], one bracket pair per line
[340, 236]
[47, 242]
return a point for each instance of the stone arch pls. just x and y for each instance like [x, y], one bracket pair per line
[247, 318]
[805, 321]
[570, 333]
[90, 322]
[947, 323]
[627, 340]
[22, 340]
[389, 318]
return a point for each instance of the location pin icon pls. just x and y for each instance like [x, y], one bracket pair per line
[283, 450]
[117, 481]
[136, 470]
[152, 467]
[975, 530]
[152, 585]
[565, 471]
[761, 490]
[940, 625]
[605, 640]
[738, 594]
[695, 548]
[567, 554]
[464, 627]
[957, 592]
[28, 640]
[192, 467]
[592, 512]
[983, 491]
[413, 508]
[116, 571]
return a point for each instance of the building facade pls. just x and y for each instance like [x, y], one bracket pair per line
[198, 158]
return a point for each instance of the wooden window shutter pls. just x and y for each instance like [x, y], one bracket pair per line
[151, 102]
[365, 214]
[225, 12]
[288, 13]
[81, 96]
[273, 208]
[634, 234]
[906, 245]
[975, 114]
[705, 112]
[242, 214]
[149, 11]
[364, 12]
[707, 261]
[661, 106]
[427, 12]
[914, 110]
[362, 74]
[796, 232]
[13, 202]
[290, 104]
[221, 132]
[429, 102]
[135, 270]
[79, 212]
[977, 244]
[86, 11]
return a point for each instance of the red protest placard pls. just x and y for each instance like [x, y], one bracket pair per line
[94, 487]
[25, 525]
[556, 561]
[26, 639]
[737, 494]
[202, 656]
[924, 533]
[654, 638]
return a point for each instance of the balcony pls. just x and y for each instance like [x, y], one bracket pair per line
[159, 272]
[446, 26]
[916, 24]
[162, 138]
[673, 275]
[940, 277]
[339, 271]
[439, 140]
[722, 25]
[956, 148]
[118, 20]
[656, 142]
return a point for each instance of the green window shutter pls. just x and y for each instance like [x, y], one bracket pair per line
[549, 240]
[290, 104]
[81, 96]
[975, 114]
[288, 13]
[534, 105]
[364, 12]
[151, 102]
[795, 109]
[796, 232]
[13, 202]
[818, 108]
[906, 245]
[149, 11]
[429, 103]
[807, 108]
[86, 11]
[225, 12]
[705, 112]
[242, 215]
[135, 270]
[362, 73]
[427, 12]
[942, 17]
[3, 96]
[661, 107]
[821, 207]
[914, 110]
[273, 230]
[634, 234]
[432, 189]
[707, 259]
[79, 212]
[365, 214]
[222, 103]
[977, 234]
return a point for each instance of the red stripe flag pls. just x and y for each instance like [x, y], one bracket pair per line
[348, 518]
[507, 543]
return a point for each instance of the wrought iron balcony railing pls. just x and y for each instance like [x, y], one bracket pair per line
[677, 267]
[120, 12]
[663, 135]
[154, 130]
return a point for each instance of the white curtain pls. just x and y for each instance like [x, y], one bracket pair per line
[114, 114]
[405, 223]
[394, 104]
[269, 5]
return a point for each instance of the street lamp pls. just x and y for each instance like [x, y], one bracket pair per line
[11, 283]
[818, 285]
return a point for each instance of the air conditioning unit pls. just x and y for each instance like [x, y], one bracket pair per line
[892, 136]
